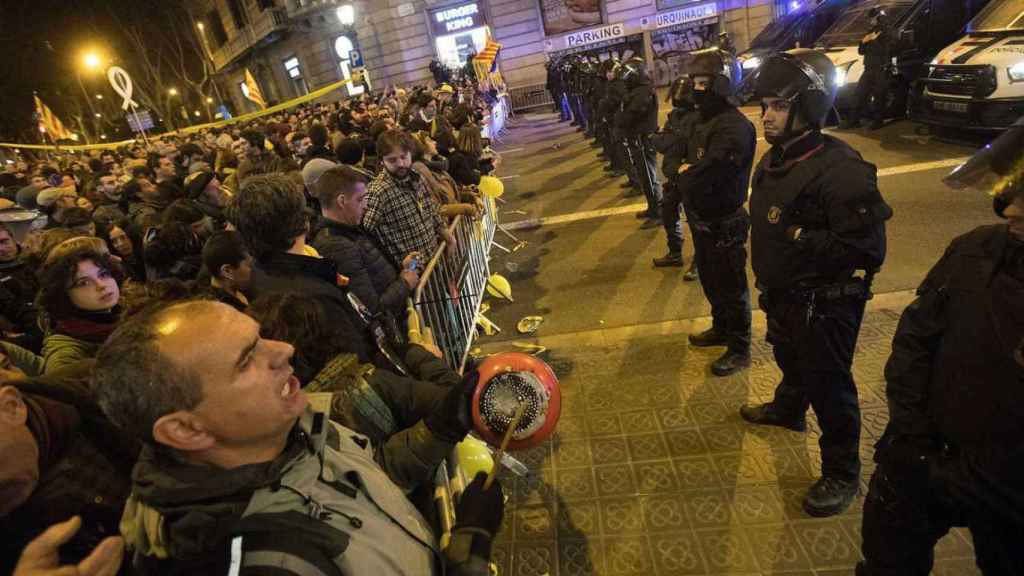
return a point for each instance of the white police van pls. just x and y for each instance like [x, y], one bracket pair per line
[978, 81]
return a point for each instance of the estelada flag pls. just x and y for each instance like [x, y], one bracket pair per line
[489, 53]
[255, 94]
[49, 121]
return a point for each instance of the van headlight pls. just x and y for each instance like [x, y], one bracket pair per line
[751, 63]
[841, 71]
[1016, 72]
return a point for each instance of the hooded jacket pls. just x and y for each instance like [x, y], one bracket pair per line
[323, 506]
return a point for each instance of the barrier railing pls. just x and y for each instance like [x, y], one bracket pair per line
[529, 97]
[452, 286]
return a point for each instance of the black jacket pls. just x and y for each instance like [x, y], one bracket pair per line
[316, 278]
[464, 169]
[952, 374]
[639, 114]
[357, 254]
[674, 138]
[720, 155]
[826, 189]
[877, 52]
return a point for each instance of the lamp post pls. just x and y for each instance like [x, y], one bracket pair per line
[209, 56]
[91, 61]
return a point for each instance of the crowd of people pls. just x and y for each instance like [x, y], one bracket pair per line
[161, 334]
[816, 227]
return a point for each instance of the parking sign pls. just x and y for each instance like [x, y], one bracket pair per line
[356, 58]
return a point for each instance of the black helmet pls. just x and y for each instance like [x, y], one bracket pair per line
[721, 66]
[996, 169]
[608, 65]
[681, 92]
[805, 77]
[633, 71]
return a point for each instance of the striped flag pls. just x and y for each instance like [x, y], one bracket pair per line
[255, 94]
[489, 53]
[50, 123]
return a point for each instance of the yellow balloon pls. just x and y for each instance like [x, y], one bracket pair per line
[491, 186]
[499, 287]
[473, 457]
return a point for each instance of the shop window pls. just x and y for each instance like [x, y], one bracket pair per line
[343, 46]
[294, 70]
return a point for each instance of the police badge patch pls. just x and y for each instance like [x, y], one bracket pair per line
[774, 214]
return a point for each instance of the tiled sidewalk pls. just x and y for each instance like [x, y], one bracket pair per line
[652, 472]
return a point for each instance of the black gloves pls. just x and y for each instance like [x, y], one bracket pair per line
[451, 420]
[480, 509]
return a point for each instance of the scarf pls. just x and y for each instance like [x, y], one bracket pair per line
[92, 327]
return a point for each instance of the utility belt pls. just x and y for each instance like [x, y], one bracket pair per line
[737, 221]
[853, 288]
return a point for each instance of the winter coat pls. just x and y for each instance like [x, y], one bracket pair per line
[62, 350]
[358, 255]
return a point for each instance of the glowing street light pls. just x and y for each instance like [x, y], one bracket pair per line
[99, 96]
[346, 14]
[91, 60]
[209, 100]
[172, 92]
[98, 115]
[196, 113]
[200, 26]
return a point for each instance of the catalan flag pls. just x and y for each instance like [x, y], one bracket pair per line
[50, 123]
[255, 94]
[488, 55]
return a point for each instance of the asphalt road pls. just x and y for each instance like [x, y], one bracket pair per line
[588, 270]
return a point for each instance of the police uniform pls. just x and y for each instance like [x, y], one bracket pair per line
[636, 122]
[874, 82]
[672, 142]
[817, 239]
[953, 451]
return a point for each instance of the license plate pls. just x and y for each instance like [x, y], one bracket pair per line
[946, 106]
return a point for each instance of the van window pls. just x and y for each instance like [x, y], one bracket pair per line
[854, 23]
[999, 15]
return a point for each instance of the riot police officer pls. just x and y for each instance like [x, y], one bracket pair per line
[953, 451]
[672, 142]
[636, 121]
[714, 185]
[873, 87]
[818, 238]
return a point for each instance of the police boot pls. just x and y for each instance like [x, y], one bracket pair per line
[670, 259]
[691, 275]
[709, 337]
[766, 415]
[730, 363]
[829, 496]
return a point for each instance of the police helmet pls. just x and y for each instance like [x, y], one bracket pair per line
[996, 169]
[608, 65]
[634, 70]
[681, 92]
[723, 69]
[805, 77]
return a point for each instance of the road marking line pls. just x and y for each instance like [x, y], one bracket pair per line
[603, 212]
[508, 177]
[510, 150]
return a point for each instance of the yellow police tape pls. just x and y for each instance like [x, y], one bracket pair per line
[191, 129]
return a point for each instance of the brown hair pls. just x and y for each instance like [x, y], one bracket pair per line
[394, 139]
[334, 182]
[469, 140]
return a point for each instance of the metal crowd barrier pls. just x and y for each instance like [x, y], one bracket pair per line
[452, 286]
[529, 97]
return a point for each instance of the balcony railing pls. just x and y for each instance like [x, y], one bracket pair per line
[264, 24]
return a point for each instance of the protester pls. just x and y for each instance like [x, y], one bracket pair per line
[229, 266]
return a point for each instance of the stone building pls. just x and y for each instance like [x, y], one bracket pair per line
[295, 46]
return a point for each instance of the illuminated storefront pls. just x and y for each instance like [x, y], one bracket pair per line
[459, 30]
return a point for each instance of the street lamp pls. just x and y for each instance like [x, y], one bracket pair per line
[99, 96]
[91, 60]
[200, 26]
[346, 14]
[98, 115]
[172, 92]
[209, 100]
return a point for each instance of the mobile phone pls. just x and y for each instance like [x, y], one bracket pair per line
[415, 263]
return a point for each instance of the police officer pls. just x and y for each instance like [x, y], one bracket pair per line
[818, 238]
[636, 122]
[953, 451]
[714, 185]
[576, 93]
[672, 142]
[873, 87]
[557, 90]
[602, 93]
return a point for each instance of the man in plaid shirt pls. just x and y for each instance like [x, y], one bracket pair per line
[399, 209]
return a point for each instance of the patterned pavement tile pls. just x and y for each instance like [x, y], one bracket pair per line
[711, 413]
[956, 567]
[622, 516]
[536, 488]
[826, 543]
[533, 558]
[708, 508]
[638, 421]
[758, 504]
[956, 544]
[534, 522]
[501, 556]
[664, 512]
[777, 549]
[571, 453]
[628, 557]
[655, 477]
[677, 553]
[603, 424]
[571, 426]
[687, 442]
[538, 456]
[610, 450]
[726, 550]
[663, 395]
[615, 480]
[696, 471]
[675, 418]
[647, 447]
[738, 468]
[576, 483]
[580, 557]
[580, 519]
[723, 438]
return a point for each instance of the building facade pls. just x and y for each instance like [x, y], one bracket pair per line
[296, 46]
